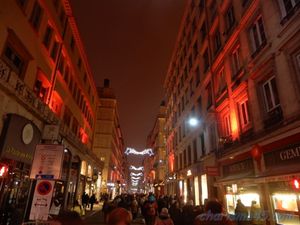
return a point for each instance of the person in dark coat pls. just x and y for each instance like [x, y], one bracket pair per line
[241, 213]
[176, 214]
[93, 201]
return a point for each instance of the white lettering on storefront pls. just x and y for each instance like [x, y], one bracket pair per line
[290, 154]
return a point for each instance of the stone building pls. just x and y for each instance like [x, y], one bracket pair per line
[47, 95]
[109, 142]
[236, 67]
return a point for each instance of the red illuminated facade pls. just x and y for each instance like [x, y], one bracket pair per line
[236, 68]
[45, 79]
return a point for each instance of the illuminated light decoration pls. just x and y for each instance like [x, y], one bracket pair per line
[132, 151]
[234, 124]
[296, 184]
[171, 162]
[84, 136]
[189, 173]
[141, 168]
[135, 178]
[3, 170]
[136, 174]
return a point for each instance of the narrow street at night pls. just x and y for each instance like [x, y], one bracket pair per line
[151, 112]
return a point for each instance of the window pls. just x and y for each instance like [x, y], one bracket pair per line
[184, 158]
[36, 16]
[186, 96]
[202, 141]
[230, 18]
[197, 76]
[257, 34]
[191, 87]
[79, 62]
[66, 75]
[181, 161]
[179, 133]
[84, 78]
[182, 103]
[75, 127]
[22, 3]
[67, 117]
[244, 113]
[270, 94]
[195, 49]
[288, 6]
[195, 150]
[15, 61]
[203, 32]
[72, 43]
[48, 36]
[206, 60]
[61, 65]
[217, 41]
[236, 61]
[54, 51]
[209, 96]
[62, 16]
[220, 82]
[199, 103]
[189, 155]
[226, 125]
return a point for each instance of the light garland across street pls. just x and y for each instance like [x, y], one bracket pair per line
[132, 151]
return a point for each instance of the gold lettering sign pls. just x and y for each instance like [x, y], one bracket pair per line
[18, 154]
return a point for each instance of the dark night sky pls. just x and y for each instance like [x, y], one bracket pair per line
[131, 42]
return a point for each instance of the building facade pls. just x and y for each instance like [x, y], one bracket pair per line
[109, 142]
[157, 142]
[47, 95]
[236, 67]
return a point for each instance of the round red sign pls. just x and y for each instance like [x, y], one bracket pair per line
[44, 188]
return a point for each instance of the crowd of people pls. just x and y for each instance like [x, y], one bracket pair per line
[171, 210]
[164, 210]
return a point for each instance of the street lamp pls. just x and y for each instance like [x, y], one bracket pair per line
[193, 122]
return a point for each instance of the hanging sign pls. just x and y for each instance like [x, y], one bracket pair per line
[41, 200]
[47, 162]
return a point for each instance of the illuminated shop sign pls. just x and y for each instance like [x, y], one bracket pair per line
[245, 166]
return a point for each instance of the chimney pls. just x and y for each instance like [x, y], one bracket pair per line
[106, 83]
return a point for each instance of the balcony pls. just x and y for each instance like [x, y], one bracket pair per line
[273, 118]
[13, 85]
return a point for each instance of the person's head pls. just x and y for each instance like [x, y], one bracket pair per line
[164, 213]
[151, 198]
[119, 216]
[213, 207]
[68, 218]
[239, 201]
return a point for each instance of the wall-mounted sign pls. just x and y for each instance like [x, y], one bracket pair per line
[19, 138]
[47, 163]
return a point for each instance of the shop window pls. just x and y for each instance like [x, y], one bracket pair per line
[244, 113]
[48, 36]
[257, 35]
[36, 15]
[270, 94]
[286, 209]
[288, 7]
[236, 61]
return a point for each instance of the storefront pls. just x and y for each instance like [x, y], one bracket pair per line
[281, 176]
[18, 140]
